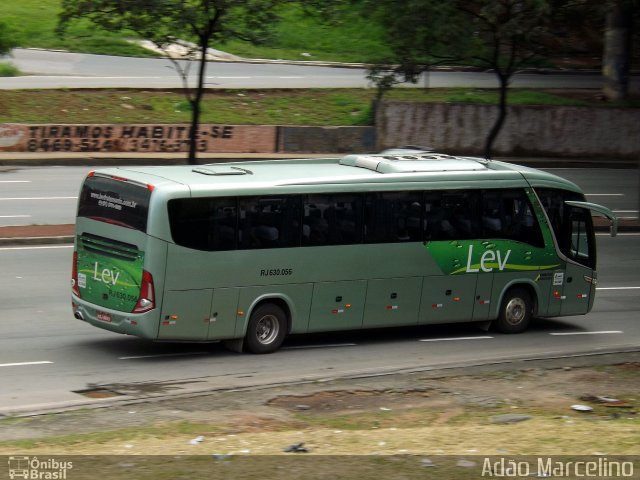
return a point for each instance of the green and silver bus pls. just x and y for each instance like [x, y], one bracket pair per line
[250, 252]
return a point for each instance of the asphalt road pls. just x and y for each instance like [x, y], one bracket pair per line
[48, 195]
[48, 69]
[46, 355]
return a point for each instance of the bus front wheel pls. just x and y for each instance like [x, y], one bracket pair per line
[267, 329]
[515, 312]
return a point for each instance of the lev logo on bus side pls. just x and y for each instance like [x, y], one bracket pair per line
[487, 258]
[106, 276]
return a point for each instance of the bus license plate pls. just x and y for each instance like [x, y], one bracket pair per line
[105, 317]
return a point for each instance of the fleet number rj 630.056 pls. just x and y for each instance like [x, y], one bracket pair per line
[276, 272]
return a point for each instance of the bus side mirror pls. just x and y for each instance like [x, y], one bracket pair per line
[600, 210]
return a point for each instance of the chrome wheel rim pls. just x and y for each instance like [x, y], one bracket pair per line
[515, 311]
[267, 329]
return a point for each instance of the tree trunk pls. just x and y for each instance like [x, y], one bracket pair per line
[502, 115]
[196, 102]
[617, 50]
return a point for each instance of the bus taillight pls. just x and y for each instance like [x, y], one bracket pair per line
[74, 276]
[146, 301]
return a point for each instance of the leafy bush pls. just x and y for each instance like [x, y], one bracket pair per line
[8, 70]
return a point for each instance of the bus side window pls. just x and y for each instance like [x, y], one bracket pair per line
[204, 223]
[269, 222]
[581, 250]
[507, 214]
[393, 217]
[189, 221]
[559, 214]
[332, 219]
[224, 224]
[451, 215]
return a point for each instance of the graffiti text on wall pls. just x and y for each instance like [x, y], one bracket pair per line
[124, 138]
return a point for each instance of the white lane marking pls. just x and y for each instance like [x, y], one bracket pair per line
[39, 198]
[603, 332]
[230, 78]
[161, 355]
[88, 77]
[14, 216]
[623, 234]
[633, 212]
[36, 248]
[20, 364]
[15, 181]
[452, 339]
[617, 288]
[328, 345]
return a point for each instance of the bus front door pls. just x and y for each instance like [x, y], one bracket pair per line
[578, 284]
[577, 291]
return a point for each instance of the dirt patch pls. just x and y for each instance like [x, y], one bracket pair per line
[520, 409]
[536, 388]
[354, 400]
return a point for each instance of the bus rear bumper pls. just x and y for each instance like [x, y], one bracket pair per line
[144, 325]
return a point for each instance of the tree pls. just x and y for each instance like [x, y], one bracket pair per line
[501, 35]
[509, 34]
[420, 33]
[7, 41]
[198, 24]
[616, 58]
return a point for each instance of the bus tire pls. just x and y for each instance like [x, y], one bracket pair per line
[516, 311]
[267, 329]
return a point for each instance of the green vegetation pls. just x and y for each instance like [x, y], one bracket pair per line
[247, 107]
[34, 23]
[352, 39]
[8, 70]
[299, 36]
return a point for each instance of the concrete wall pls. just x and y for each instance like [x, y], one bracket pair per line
[528, 130]
[327, 139]
[451, 128]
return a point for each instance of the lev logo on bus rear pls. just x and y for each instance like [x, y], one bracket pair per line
[106, 276]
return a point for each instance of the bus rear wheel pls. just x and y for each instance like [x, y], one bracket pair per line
[267, 329]
[516, 311]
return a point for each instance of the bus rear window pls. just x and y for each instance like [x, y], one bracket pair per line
[114, 201]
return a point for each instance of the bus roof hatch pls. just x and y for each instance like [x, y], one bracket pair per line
[425, 162]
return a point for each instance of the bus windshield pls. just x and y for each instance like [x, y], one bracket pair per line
[114, 201]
